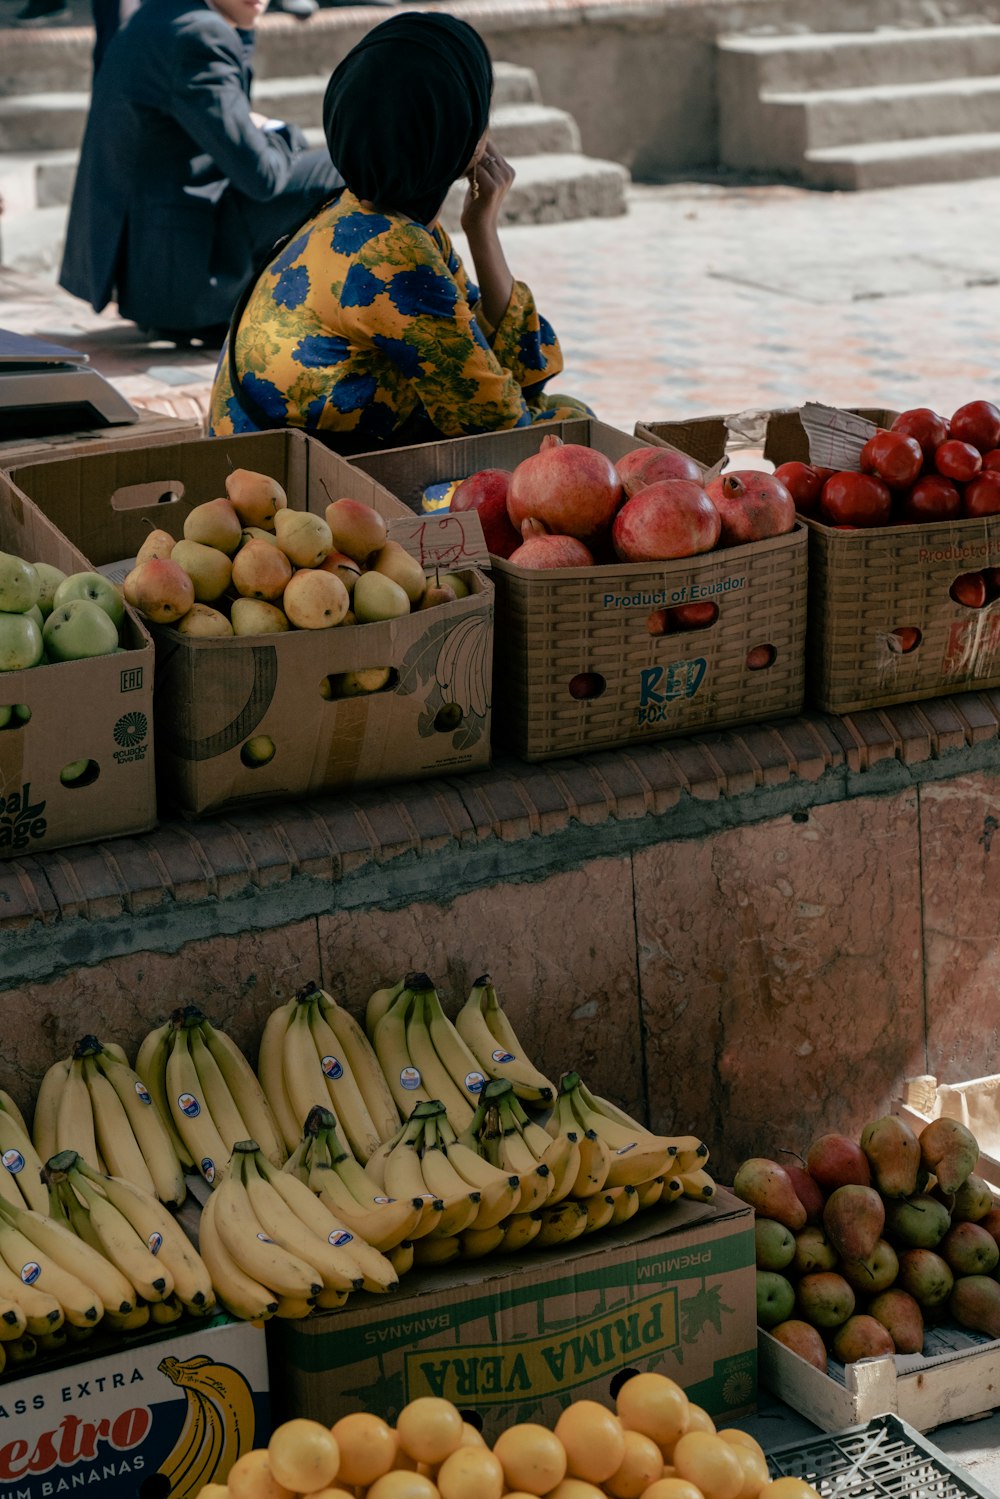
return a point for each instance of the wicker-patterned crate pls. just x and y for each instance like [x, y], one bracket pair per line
[554, 628]
[866, 584]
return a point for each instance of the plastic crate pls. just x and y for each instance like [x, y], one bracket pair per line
[886, 1457]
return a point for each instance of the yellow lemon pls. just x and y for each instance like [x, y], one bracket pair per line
[367, 1448]
[429, 1429]
[250, 1477]
[303, 1455]
[401, 1484]
[593, 1438]
[655, 1406]
[788, 1488]
[641, 1465]
[755, 1473]
[741, 1439]
[706, 1460]
[532, 1457]
[698, 1419]
[470, 1473]
[672, 1488]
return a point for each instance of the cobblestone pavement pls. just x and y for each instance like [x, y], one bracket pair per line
[705, 297]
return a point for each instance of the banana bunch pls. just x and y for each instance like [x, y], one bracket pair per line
[219, 1423]
[93, 1103]
[489, 1036]
[313, 1053]
[274, 1249]
[323, 1163]
[20, 1166]
[150, 1271]
[421, 1054]
[207, 1091]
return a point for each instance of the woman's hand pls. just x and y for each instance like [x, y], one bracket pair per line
[489, 183]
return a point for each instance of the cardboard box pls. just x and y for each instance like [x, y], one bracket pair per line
[865, 584]
[518, 1339]
[108, 1423]
[153, 427]
[99, 710]
[577, 668]
[213, 696]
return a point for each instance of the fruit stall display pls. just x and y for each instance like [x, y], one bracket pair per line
[903, 513]
[638, 596]
[656, 1444]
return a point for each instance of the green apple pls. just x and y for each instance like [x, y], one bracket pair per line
[775, 1298]
[92, 586]
[22, 712]
[775, 1244]
[20, 642]
[73, 771]
[19, 584]
[79, 629]
[257, 751]
[5, 716]
[49, 578]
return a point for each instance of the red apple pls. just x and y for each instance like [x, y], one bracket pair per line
[929, 429]
[991, 459]
[932, 498]
[958, 460]
[753, 506]
[804, 483]
[551, 551]
[674, 518]
[894, 457]
[977, 423]
[850, 500]
[645, 466]
[485, 492]
[981, 495]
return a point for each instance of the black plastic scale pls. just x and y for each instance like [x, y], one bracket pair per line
[46, 389]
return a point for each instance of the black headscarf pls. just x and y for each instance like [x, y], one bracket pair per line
[405, 109]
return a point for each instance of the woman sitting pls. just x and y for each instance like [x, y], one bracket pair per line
[365, 329]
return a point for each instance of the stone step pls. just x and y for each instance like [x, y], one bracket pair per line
[783, 127]
[795, 63]
[33, 241]
[42, 122]
[36, 179]
[875, 164]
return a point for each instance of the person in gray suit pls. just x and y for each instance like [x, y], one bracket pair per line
[181, 188]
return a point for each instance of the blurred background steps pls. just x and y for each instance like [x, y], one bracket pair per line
[856, 110]
[41, 127]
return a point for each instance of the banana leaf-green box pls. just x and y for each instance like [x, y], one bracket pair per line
[517, 1339]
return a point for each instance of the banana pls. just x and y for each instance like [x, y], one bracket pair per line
[19, 1160]
[611, 1110]
[131, 1321]
[459, 1213]
[520, 1230]
[635, 1157]
[498, 1056]
[21, 1350]
[214, 1091]
[164, 1313]
[281, 1270]
[626, 1204]
[691, 1160]
[151, 1067]
[595, 1164]
[294, 1309]
[564, 1161]
[246, 1092]
[460, 1063]
[536, 1186]
[389, 1041]
[673, 1188]
[76, 1256]
[8, 1189]
[194, 1123]
[440, 1177]
[157, 1227]
[538, 1139]
[364, 1065]
[697, 1184]
[270, 1070]
[13, 1322]
[477, 1242]
[600, 1210]
[561, 1224]
[382, 1227]
[184, 1469]
[432, 1251]
[401, 1258]
[376, 1270]
[75, 1116]
[305, 1082]
[403, 1174]
[499, 1191]
[374, 1167]
[113, 1130]
[378, 1003]
[333, 1263]
[53, 1342]
[348, 1101]
[649, 1193]
[148, 1128]
[632, 1166]
[123, 1246]
[43, 1126]
[434, 1076]
[240, 1294]
[36, 1268]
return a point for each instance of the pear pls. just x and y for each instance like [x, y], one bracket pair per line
[378, 597]
[901, 1317]
[156, 544]
[969, 1250]
[813, 1251]
[357, 529]
[893, 1153]
[950, 1151]
[833, 1161]
[437, 593]
[765, 1185]
[256, 617]
[874, 1274]
[50, 577]
[854, 1218]
[802, 1338]
[204, 622]
[861, 1336]
[261, 571]
[304, 538]
[315, 600]
[257, 533]
[395, 562]
[256, 498]
[926, 1276]
[161, 589]
[972, 1201]
[918, 1222]
[214, 524]
[456, 583]
[358, 683]
[975, 1303]
[343, 567]
[209, 569]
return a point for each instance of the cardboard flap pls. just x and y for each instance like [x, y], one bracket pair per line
[835, 437]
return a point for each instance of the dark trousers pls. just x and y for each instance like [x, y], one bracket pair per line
[312, 182]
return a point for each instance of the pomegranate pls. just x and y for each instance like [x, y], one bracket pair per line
[977, 423]
[753, 506]
[929, 429]
[804, 483]
[674, 518]
[486, 493]
[894, 457]
[981, 495]
[932, 498]
[645, 466]
[545, 551]
[969, 589]
[850, 500]
[572, 490]
[958, 460]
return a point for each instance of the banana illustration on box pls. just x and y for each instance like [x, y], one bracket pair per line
[453, 662]
[219, 1424]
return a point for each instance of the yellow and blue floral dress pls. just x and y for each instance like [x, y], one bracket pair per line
[365, 330]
